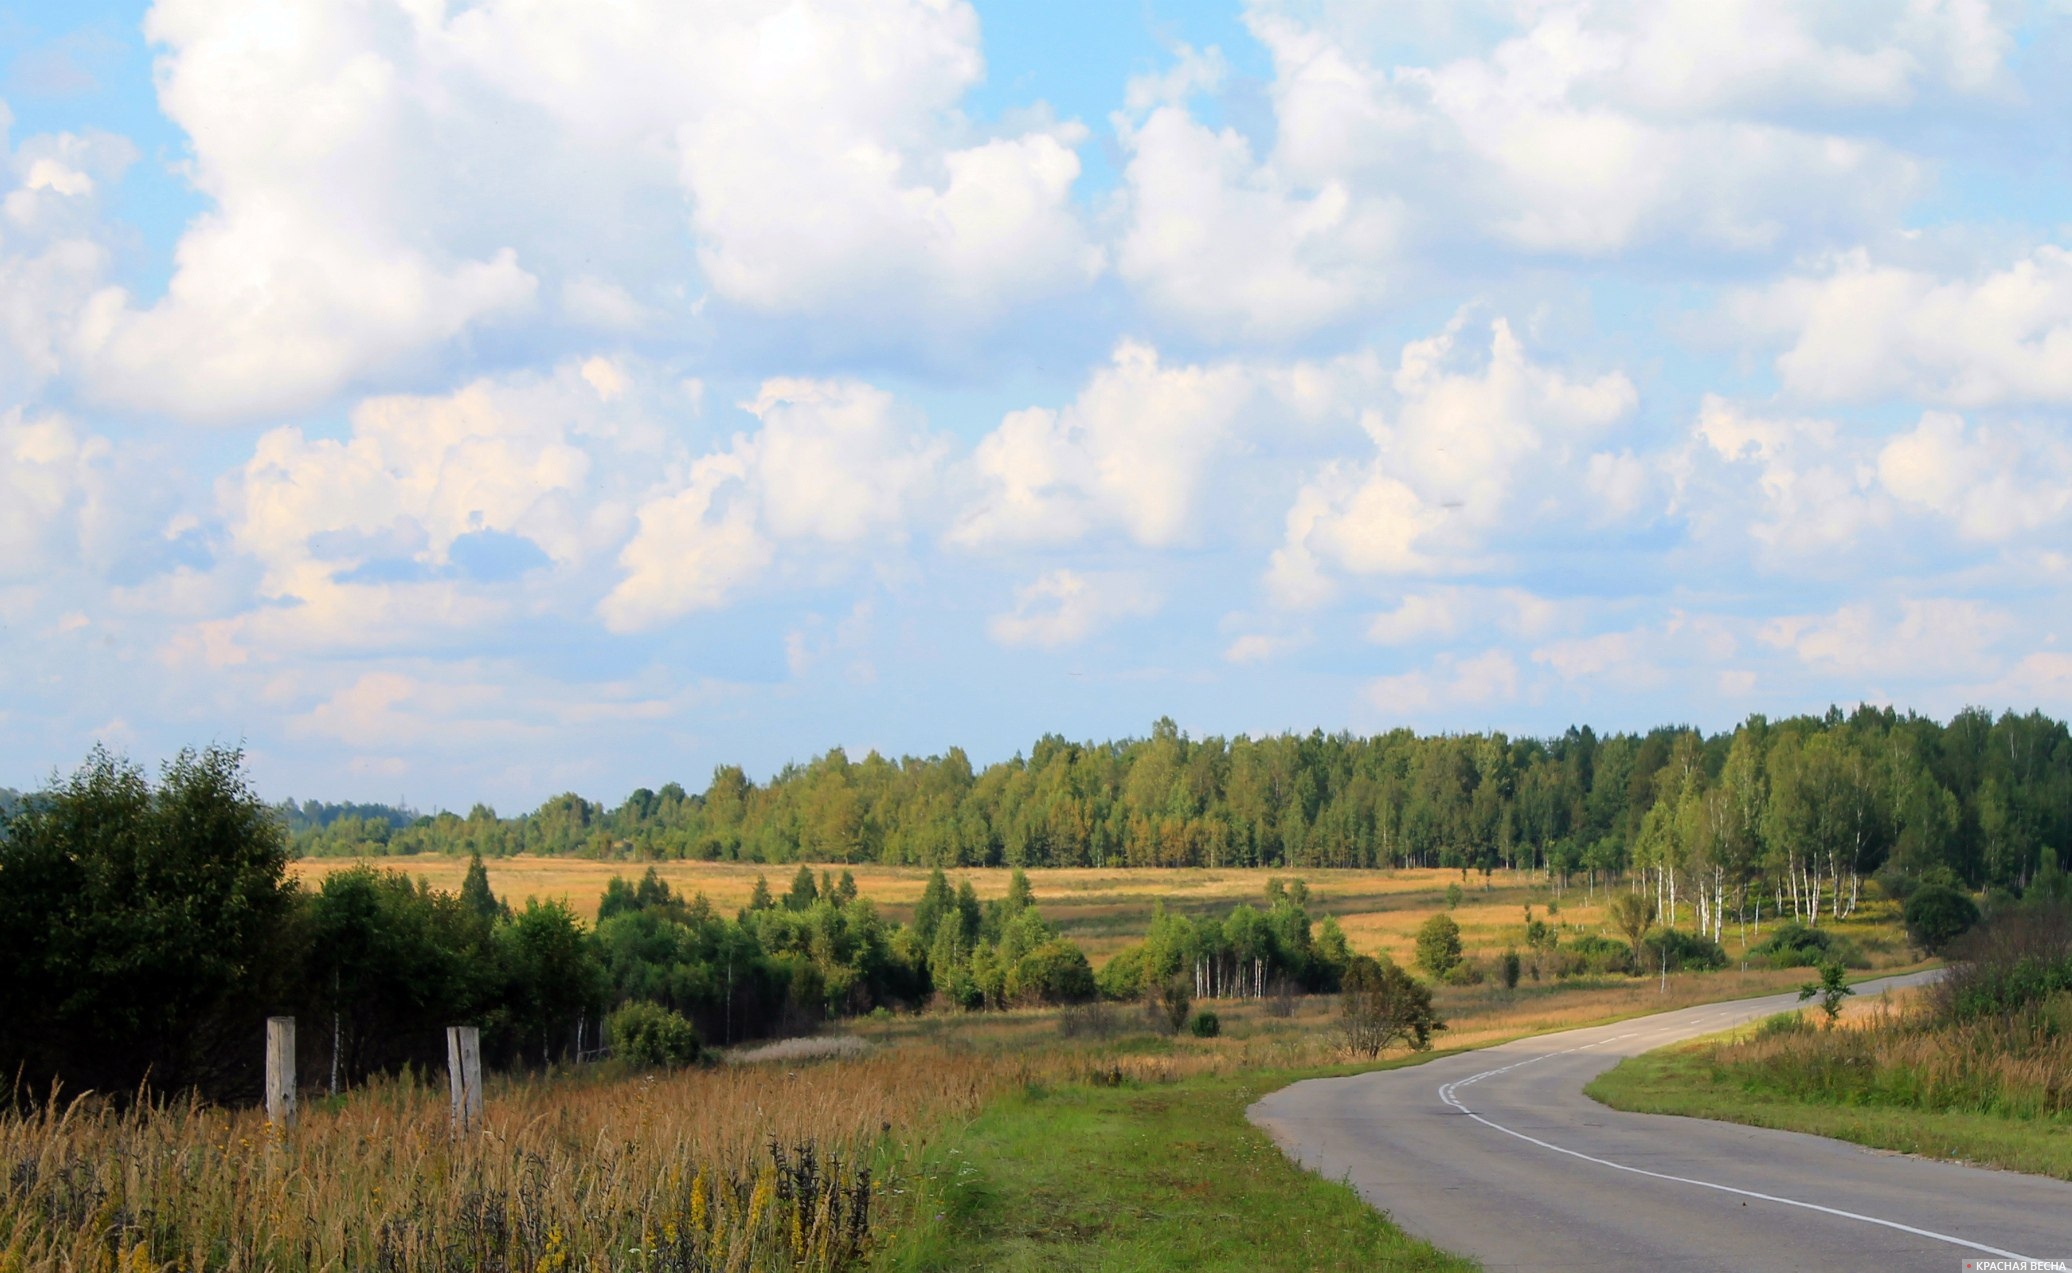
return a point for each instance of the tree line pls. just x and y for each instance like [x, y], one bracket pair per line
[147, 929]
[1772, 816]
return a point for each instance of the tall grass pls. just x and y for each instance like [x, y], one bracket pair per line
[2013, 1066]
[748, 1167]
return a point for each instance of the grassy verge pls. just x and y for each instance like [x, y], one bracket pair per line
[1138, 1176]
[1688, 1080]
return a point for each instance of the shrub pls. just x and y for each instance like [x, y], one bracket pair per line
[1380, 1005]
[1781, 1024]
[651, 1036]
[1590, 953]
[1054, 972]
[1088, 1020]
[1122, 977]
[1936, 915]
[1205, 1025]
[1508, 969]
[1438, 945]
[1793, 945]
[2015, 960]
[1684, 950]
[1167, 1004]
[1467, 972]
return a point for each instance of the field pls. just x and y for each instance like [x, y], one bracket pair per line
[1104, 909]
[1032, 1138]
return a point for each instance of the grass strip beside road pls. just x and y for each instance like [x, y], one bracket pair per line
[1140, 1176]
[1685, 1080]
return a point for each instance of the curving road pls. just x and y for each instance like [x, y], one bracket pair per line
[1498, 1155]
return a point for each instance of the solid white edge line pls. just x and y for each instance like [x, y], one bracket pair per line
[1447, 1090]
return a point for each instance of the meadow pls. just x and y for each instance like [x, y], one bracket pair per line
[1104, 909]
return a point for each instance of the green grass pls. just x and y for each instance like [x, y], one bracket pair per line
[1154, 1176]
[1683, 1080]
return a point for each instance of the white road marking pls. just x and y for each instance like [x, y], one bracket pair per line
[1448, 1093]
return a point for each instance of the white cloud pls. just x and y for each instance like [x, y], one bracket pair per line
[1800, 487]
[1443, 613]
[1468, 458]
[1862, 330]
[836, 463]
[385, 179]
[1916, 637]
[1064, 607]
[55, 493]
[1451, 681]
[1133, 451]
[1993, 482]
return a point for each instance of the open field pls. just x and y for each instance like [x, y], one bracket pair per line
[1105, 909]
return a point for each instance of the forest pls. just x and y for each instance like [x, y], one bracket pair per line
[1788, 815]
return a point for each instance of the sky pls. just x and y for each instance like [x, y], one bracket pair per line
[475, 401]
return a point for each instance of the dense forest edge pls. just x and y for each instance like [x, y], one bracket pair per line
[1798, 808]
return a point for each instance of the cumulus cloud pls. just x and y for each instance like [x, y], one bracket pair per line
[1992, 482]
[1799, 486]
[1583, 130]
[55, 493]
[1064, 607]
[1468, 457]
[835, 463]
[370, 202]
[1133, 451]
[1859, 329]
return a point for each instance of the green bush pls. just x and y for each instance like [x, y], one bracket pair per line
[1937, 915]
[1054, 972]
[1205, 1025]
[1684, 951]
[1593, 954]
[1438, 945]
[651, 1036]
[1122, 977]
[1508, 969]
[1793, 945]
[1467, 972]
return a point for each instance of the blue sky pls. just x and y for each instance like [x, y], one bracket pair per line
[478, 401]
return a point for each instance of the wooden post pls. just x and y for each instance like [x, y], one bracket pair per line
[464, 1076]
[280, 1072]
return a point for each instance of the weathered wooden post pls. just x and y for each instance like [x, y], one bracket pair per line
[280, 1072]
[464, 1076]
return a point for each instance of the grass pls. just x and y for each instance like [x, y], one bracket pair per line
[1885, 1077]
[1139, 1176]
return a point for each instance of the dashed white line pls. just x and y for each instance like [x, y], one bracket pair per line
[1448, 1092]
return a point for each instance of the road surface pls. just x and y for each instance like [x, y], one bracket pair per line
[1498, 1155]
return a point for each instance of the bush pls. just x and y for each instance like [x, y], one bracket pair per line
[1088, 1020]
[1781, 1024]
[1936, 915]
[1793, 945]
[2015, 960]
[1684, 950]
[1467, 972]
[1508, 969]
[651, 1036]
[1122, 977]
[1380, 1005]
[1438, 945]
[1590, 953]
[1055, 972]
[1205, 1025]
[1168, 1003]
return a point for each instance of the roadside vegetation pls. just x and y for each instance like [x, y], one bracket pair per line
[1976, 1067]
[937, 1021]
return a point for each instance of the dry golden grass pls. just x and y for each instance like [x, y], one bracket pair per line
[1105, 909]
[570, 1172]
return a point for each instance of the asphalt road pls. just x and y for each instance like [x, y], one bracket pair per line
[1498, 1155]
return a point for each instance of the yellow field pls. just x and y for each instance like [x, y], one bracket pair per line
[1105, 909]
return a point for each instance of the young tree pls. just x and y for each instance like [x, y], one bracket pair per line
[1380, 1005]
[1633, 914]
[1438, 945]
